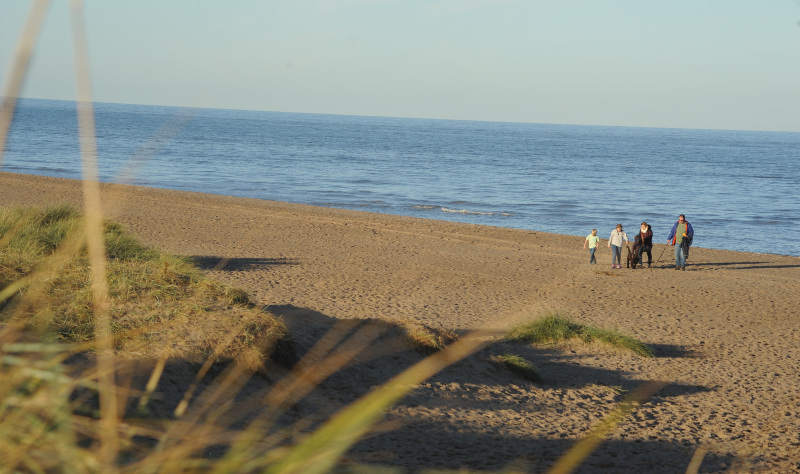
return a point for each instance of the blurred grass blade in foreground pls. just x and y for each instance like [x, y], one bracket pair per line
[94, 238]
[19, 67]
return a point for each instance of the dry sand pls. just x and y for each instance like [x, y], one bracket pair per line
[726, 330]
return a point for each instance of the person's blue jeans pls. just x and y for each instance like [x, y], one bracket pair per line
[592, 260]
[680, 258]
[616, 255]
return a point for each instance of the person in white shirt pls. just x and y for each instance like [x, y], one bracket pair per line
[615, 244]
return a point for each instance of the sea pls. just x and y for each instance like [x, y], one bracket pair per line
[740, 190]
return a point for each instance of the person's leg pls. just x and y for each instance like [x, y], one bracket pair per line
[592, 259]
[678, 254]
[616, 255]
[639, 253]
[649, 256]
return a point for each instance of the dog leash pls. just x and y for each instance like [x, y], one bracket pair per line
[662, 254]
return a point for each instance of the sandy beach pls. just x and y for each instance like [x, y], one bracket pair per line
[725, 331]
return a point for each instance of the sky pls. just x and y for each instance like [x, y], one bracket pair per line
[715, 64]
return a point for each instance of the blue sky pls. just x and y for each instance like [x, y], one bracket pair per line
[732, 64]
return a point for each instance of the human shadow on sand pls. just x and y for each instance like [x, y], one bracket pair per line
[239, 264]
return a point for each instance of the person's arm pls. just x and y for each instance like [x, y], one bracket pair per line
[584, 243]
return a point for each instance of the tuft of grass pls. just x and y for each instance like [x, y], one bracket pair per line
[520, 366]
[553, 328]
[237, 297]
[34, 229]
[426, 339]
[121, 245]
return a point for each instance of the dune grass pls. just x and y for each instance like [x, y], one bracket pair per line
[519, 366]
[152, 293]
[553, 328]
[425, 339]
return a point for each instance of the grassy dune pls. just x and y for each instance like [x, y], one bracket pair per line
[161, 304]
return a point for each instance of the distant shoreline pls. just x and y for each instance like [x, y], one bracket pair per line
[78, 202]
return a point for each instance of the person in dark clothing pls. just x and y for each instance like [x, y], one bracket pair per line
[644, 244]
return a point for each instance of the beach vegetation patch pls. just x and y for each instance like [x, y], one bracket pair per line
[519, 366]
[426, 339]
[553, 328]
[158, 302]
[238, 297]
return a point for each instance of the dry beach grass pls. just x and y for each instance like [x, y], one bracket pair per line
[724, 332]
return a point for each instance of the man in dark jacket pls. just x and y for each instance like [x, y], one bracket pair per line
[681, 237]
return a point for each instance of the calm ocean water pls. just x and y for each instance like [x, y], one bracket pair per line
[739, 189]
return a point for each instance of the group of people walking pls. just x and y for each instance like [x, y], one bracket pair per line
[680, 236]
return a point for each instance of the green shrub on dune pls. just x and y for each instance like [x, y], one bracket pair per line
[554, 328]
[520, 366]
